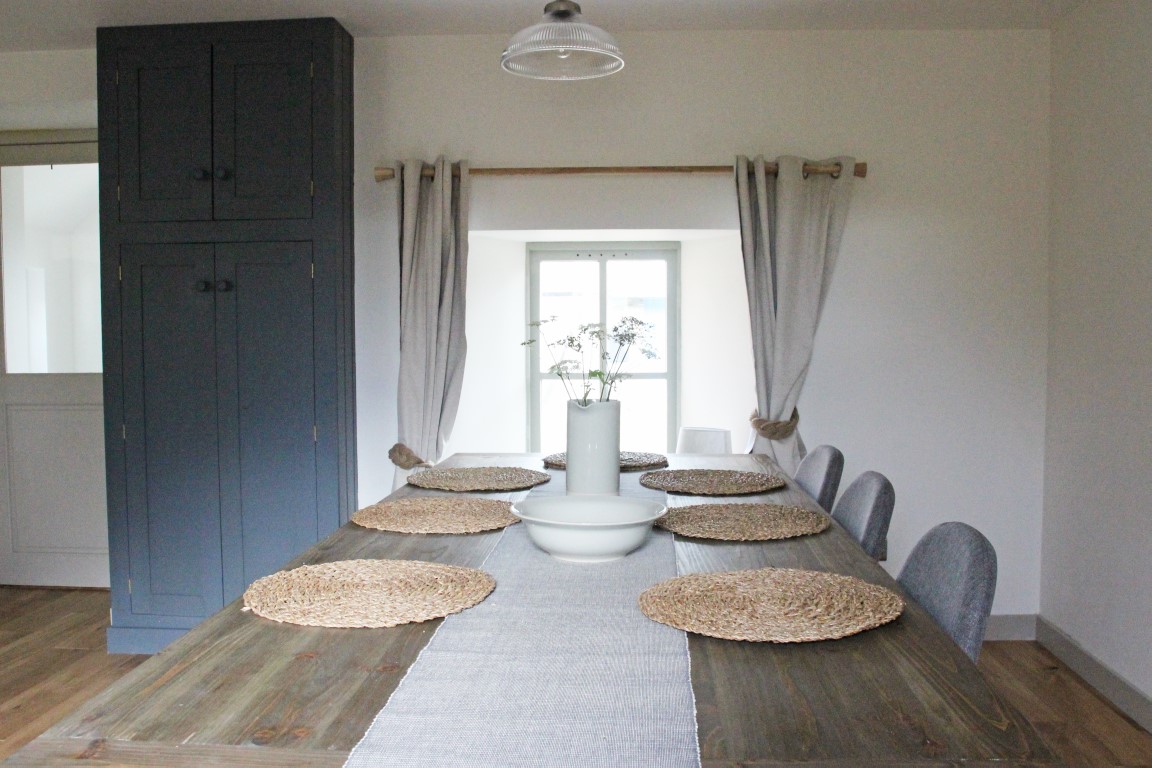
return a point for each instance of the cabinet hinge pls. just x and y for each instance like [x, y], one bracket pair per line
[129, 586]
[314, 437]
[311, 69]
[120, 272]
[117, 193]
[313, 270]
[123, 431]
[311, 188]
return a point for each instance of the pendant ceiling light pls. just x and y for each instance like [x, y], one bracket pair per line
[562, 47]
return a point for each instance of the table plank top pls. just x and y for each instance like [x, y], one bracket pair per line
[242, 690]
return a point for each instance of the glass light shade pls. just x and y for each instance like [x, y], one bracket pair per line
[562, 47]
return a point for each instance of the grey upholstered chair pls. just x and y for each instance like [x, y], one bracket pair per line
[865, 511]
[819, 474]
[951, 572]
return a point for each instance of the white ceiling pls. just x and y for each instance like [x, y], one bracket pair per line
[65, 24]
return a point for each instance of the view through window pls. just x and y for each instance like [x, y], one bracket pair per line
[50, 249]
[601, 283]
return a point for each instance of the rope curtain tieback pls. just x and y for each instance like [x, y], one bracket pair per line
[774, 430]
[405, 458]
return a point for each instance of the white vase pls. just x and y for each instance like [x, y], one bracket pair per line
[593, 459]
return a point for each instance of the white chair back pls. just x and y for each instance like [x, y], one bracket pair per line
[704, 440]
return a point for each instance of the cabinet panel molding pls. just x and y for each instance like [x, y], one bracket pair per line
[165, 133]
[171, 429]
[263, 147]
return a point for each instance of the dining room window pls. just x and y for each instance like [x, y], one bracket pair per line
[583, 283]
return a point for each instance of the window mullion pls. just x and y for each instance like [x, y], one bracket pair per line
[603, 260]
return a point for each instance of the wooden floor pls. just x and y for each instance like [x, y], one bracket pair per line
[52, 657]
[1078, 723]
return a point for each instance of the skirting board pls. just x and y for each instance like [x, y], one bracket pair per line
[1011, 626]
[149, 640]
[1116, 689]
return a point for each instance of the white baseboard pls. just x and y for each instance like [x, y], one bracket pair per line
[1011, 626]
[1116, 689]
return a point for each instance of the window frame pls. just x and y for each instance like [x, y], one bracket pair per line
[602, 253]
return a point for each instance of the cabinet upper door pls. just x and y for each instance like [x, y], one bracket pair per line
[164, 101]
[219, 131]
[263, 130]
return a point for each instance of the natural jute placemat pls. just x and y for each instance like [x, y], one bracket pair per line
[743, 522]
[630, 461]
[367, 593]
[478, 478]
[776, 605]
[711, 482]
[437, 514]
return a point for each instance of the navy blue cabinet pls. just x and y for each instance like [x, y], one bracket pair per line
[226, 240]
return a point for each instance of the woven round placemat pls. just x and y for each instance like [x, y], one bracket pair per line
[437, 514]
[743, 522]
[711, 482]
[630, 461]
[367, 593]
[776, 605]
[478, 478]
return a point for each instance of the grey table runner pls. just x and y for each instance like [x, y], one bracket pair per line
[558, 667]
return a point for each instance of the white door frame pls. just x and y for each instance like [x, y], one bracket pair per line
[53, 506]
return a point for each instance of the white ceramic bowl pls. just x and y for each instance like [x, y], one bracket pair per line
[588, 528]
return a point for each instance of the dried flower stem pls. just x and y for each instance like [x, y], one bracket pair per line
[628, 332]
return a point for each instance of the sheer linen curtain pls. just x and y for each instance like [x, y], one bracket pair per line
[790, 232]
[433, 273]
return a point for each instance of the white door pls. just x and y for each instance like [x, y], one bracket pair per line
[53, 513]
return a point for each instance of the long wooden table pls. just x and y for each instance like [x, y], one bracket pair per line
[243, 691]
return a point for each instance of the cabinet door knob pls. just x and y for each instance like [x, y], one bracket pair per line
[222, 173]
[223, 285]
[203, 286]
[201, 174]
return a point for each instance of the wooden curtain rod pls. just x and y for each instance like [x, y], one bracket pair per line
[384, 173]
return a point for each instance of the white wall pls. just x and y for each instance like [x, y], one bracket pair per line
[717, 380]
[1097, 522]
[47, 89]
[493, 414]
[930, 363]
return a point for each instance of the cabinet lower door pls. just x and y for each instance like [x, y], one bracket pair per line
[171, 429]
[267, 395]
[220, 419]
